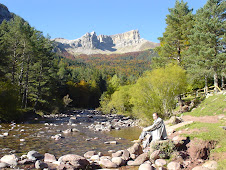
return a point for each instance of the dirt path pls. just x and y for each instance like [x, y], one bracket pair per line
[204, 119]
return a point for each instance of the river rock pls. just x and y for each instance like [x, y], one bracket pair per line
[155, 155]
[75, 160]
[126, 155]
[107, 163]
[210, 164]
[135, 149]
[160, 162]
[40, 165]
[49, 157]
[139, 160]
[145, 166]
[89, 154]
[95, 158]
[173, 166]
[3, 165]
[34, 155]
[10, 159]
[117, 154]
[118, 161]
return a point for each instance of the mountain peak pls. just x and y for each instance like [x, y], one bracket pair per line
[90, 43]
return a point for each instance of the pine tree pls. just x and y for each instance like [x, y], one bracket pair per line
[175, 38]
[207, 51]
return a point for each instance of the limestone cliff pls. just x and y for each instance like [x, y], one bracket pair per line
[90, 43]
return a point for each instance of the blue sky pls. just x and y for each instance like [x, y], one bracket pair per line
[71, 19]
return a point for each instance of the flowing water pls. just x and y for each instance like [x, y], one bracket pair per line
[23, 138]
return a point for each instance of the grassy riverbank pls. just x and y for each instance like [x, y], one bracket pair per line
[209, 117]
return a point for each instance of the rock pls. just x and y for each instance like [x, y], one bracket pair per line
[107, 163]
[139, 160]
[49, 157]
[200, 168]
[72, 120]
[173, 166]
[111, 142]
[95, 158]
[65, 167]
[117, 154]
[210, 164]
[118, 161]
[199, 149]
[40, 165]
[135, 149]
[126, 155]
[175, 120]
[133, 156]
[155, 155]
[34, 155]
[89, 154]
[91, 43]
[160, 162]
[3, 165]
[10, 159]
[145, 166]
[67, 131]
[75, 160]
[57, 137]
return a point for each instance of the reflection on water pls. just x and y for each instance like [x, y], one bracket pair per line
[131, 133]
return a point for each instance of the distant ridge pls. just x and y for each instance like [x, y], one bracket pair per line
[90, 43]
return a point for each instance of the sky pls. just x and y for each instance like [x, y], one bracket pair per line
[71, 19]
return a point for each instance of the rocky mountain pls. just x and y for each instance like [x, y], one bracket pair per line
[90, 43]
[4, 13]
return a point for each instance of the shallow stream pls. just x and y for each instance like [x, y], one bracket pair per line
[23, 138]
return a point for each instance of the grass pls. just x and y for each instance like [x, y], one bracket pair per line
[213, 105]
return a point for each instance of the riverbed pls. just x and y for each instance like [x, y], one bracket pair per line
[22, 138]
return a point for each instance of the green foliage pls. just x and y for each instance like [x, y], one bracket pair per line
[67, 100]
[206, 54]
[119, 102]
[156, 91]
[9, 102]
[166, 148]
[174, 42]
[213, 105]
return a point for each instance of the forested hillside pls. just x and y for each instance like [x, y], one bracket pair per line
[36, 79]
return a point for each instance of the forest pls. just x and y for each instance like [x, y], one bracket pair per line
[36, 79]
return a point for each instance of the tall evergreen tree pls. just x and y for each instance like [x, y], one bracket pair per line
[175, 38]
[207, 51]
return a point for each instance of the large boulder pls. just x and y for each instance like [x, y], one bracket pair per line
[89, 154]
[126, 155]
[10, 159]
[135, 149]
[107, 163]
[160, 162]
[118, 161]
[145, 166]
[139, 160]
[117, 154]
[173, 166]
[210, 164]
[49, 157]
[75, 160]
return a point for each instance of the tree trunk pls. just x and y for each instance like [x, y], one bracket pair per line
[180, 101]
[222, 81]
[206, 85]
[215, 82]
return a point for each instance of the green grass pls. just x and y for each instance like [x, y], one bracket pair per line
[213, 105]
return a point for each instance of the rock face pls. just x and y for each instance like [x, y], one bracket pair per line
[90, 43]
[4, 13]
